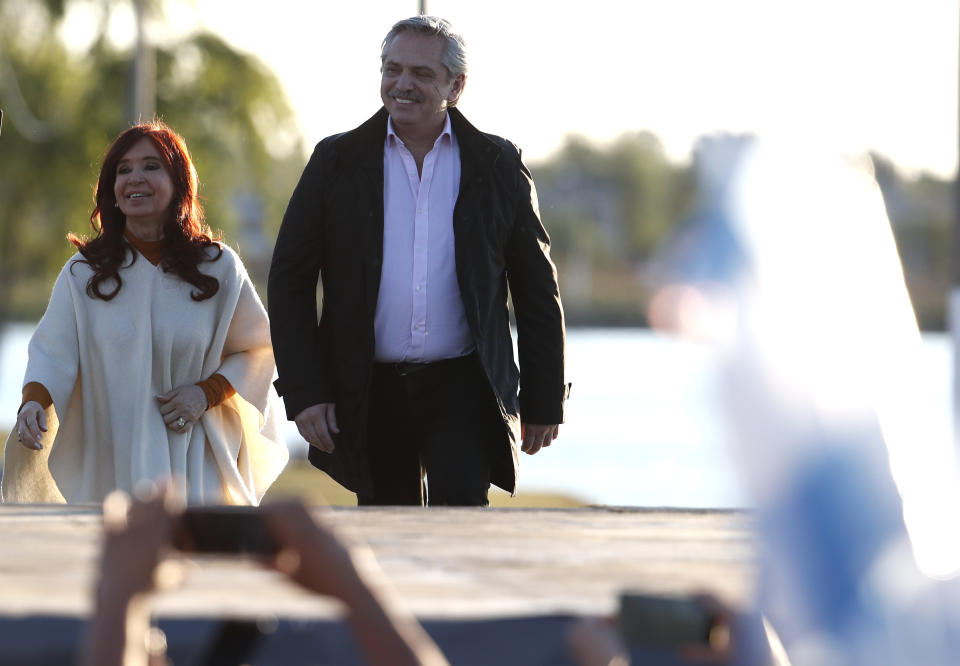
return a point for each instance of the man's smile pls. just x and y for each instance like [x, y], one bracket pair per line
[406, 98]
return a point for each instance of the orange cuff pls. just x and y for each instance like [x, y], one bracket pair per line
[37, 392]
[217, 389]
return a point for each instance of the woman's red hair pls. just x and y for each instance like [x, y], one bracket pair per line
[186, 236]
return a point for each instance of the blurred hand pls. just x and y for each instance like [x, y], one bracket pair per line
[318, 425]
[310, 553]
[536, 436]
[719, 650]
[594, 641]
[188, 402]
[31, 424]
[136, 534]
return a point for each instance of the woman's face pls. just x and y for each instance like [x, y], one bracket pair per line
[143, 187]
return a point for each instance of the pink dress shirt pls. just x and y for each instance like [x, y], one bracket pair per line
[420, 315]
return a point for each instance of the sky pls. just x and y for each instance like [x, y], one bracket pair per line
[863, 74]
[877, 74]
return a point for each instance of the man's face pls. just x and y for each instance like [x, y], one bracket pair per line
[414, 84]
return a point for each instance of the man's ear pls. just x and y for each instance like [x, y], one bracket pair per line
[457, 89]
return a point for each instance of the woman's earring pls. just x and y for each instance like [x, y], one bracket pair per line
[116, 204]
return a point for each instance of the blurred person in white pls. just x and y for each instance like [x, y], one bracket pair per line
[837, 434]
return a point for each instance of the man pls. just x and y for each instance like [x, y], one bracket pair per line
[415, 223]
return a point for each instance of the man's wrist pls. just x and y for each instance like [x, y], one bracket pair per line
[296, 403]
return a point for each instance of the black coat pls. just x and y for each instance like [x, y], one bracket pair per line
[333, 231]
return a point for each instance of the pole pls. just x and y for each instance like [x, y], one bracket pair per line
[143, 102]
[423, 7]
[953, 306]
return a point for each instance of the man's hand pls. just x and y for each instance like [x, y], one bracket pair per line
[536, 436]
[318, 425]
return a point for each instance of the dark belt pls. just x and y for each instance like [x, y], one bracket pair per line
[405, 368]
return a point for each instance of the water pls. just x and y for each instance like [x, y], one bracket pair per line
[642, 427]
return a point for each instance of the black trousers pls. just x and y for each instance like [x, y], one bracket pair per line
[431, 432]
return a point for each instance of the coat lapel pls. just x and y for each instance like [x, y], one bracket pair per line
[478, 154]
[362, 152]
[477, 157]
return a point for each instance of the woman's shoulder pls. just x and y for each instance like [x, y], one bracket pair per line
[77, 267]
[76, 256]
[220, 247]
[224, 261]
[220, 254]
[73, 275]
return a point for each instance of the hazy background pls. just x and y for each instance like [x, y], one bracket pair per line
[607, 99]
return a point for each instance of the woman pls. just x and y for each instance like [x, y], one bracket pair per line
[153, 358]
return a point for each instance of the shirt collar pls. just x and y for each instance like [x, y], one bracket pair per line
[393, 138]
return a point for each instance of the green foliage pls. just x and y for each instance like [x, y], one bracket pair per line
[614, 203]
[62, 109]
[609, 209]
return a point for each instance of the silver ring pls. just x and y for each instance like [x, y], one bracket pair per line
[180, 422]
[19, 436]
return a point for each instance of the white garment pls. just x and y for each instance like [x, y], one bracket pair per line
[104, 363]
[419, 314]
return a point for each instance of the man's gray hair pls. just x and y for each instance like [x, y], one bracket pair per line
[454, 56]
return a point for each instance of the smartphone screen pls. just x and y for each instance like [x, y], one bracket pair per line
[663, 620]
[223, 530]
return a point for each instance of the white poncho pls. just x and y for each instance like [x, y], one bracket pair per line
[104, 363]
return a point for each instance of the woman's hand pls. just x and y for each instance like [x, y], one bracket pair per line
[182, 407]
[31, 424]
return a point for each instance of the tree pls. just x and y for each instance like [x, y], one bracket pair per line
[615, 202]
[607, 209]
[63, 108]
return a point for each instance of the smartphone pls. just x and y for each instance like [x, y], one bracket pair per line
[225, 530]
[663, 620]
